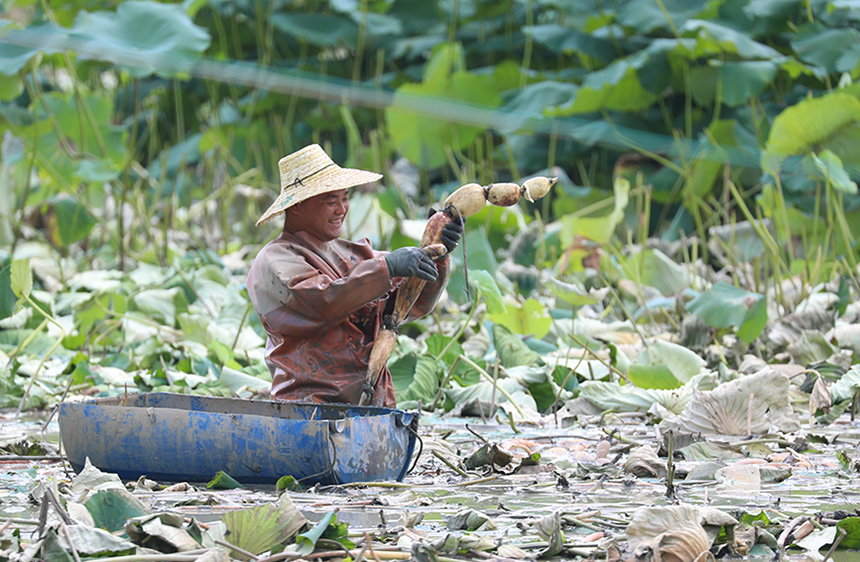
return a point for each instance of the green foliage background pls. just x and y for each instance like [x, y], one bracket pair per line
[172, 103]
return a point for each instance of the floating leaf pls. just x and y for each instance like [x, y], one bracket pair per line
[260, 528]
[644, 463]
[549, 529]
[669, 532]
[307, 541]
[288, 483]
[470, 520]
[161, 531]
[87, 542]
[111, 508]
[223, 481]
[752, 404]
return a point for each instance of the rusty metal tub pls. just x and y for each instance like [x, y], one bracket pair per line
[179, 437]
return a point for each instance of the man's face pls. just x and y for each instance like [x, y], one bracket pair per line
[322, 215]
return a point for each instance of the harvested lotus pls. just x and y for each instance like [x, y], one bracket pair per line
[464, 202]
[537, 187]
[503, 194]
[467, 200]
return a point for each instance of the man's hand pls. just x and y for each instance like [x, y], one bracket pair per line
[411, 262]
[451, 235]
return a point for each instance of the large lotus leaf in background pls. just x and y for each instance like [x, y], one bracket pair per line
[422, 138]
[260, 528]
[527, 104]
[834, 49]
[645, 16]
[104, 142]
[810, 347]
[724, 306]
[715, 39]
[562, 39]
[740, 81]
[321, 30]
[66, 221]
[375, 23]
[751, 405]
[597, 229]
[13, 56]
[617, 87]
[612, 396]
[476, 397]
[142, 38]
[527, 318]
[710, 161]
[830, 121]
[629, 398]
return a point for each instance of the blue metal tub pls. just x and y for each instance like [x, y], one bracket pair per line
[178, 437]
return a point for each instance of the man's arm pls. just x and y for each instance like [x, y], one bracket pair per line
[305, 300]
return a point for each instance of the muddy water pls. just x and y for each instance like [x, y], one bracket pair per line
[436, 492]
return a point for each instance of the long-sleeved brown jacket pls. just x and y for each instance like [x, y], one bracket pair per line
[322, 304]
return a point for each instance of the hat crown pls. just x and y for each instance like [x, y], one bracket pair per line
[295, 168]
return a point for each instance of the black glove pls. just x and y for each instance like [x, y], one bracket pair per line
[411, 262]
[451, 235]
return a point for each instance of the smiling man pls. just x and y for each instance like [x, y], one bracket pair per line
[321, 298]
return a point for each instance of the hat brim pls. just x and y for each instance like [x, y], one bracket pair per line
[333, 178]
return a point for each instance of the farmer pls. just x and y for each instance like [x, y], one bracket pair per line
[321, 298]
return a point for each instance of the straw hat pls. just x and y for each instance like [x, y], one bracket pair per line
[309, 172]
